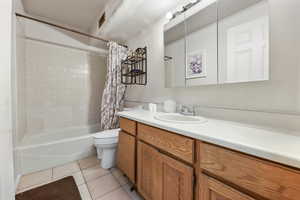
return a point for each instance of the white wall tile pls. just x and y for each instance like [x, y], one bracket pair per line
[63, 87]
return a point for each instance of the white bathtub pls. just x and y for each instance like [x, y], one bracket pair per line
[49, 150]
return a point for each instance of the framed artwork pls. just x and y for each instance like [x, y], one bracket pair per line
[196, 65]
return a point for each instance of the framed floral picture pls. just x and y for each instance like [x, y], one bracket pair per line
[196, 64]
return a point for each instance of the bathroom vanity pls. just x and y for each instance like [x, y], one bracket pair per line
[217, 160]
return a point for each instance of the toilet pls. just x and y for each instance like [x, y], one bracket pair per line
[106, 143]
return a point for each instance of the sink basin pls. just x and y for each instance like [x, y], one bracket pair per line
[178, 118]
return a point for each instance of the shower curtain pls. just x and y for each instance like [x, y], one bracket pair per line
[114, 91]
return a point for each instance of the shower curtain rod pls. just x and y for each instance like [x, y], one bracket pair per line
[65, 28]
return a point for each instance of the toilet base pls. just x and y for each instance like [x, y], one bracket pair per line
[99, 153]
[108, 158]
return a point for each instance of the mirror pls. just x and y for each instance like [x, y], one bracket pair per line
[174, 42]
[201, 44]
[217, 42]
[243, 40]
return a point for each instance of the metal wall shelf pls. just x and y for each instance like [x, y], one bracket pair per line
[134, 68]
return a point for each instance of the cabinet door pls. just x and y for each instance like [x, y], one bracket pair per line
[149, 172]
[211, 189]
[177, 180]
[126, 155]
[161, 177]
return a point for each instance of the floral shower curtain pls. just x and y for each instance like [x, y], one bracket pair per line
[114, 91]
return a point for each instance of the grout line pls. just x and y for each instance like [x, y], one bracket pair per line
[120, 186]
[88, 189]
[85, 183]
[109, 192]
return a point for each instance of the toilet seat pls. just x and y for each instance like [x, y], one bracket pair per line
[113, 133]
[107, 137]
[106, 141]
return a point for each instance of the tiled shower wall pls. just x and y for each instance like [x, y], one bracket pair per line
[20, 84]
[63, 88]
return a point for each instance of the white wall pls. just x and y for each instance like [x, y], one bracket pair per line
[6, 144]
[41, 32]
[154, 90]
[271, 98]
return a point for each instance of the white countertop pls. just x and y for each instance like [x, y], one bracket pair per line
[276, 145]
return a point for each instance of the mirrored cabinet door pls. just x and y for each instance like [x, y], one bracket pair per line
[201, 44]
[243, 40]
[218, 42]
[174, 42]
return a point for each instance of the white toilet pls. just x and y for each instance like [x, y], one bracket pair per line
[106, 143]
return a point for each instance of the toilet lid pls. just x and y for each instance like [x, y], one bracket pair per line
[107, 134]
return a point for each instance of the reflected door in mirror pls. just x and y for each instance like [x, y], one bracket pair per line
[243, 41]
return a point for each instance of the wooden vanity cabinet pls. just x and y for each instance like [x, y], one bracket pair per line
[129, 126]
[162, 165]
[179, 146]
[211, 189]
[149, 173]
[126, 152]
[161, 177]
[126, 155]
[177, 179]
[251, 175]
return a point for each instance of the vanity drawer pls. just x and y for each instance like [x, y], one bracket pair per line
[128, 126]
[177, 145]
[265, 179]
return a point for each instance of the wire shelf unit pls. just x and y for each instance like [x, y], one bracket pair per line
[134, 68]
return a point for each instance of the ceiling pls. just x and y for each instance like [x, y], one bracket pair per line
[134, 16]
[79, 14]
[131, 17]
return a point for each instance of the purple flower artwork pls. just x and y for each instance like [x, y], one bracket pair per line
[196, 65]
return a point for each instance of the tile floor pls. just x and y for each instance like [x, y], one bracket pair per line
[94, 183]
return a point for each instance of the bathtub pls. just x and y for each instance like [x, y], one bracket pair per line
[44, 151]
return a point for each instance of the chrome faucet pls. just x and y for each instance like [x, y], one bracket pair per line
[187, 110]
